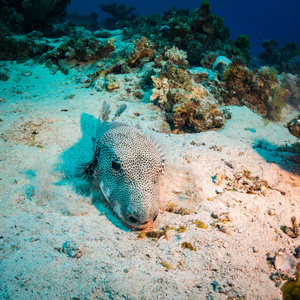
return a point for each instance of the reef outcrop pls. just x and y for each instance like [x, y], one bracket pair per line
[188, 106]
[28, 15]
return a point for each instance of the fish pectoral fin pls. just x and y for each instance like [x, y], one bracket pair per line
[86, 170]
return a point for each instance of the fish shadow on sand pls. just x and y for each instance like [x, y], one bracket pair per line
[286, 157]
[73, 157]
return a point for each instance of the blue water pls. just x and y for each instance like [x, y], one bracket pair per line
[260, 19]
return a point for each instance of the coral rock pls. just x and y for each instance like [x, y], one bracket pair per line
[177, 56]
[284, 263]
[221, 63]
[111, 83]
[161, 89]
[143, 49]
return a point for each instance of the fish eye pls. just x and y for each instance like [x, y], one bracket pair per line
[116, 165]
[163, 165]
[133, 220]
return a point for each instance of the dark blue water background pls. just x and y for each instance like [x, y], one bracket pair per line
[259, 19]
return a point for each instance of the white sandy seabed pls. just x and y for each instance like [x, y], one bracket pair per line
[59, 240]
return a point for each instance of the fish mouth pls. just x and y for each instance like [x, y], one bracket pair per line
[130, 221]
[136, 224]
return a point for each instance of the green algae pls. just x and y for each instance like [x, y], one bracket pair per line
[181, 229]
[291, 289]
[187, 245]
[200, 224]
[166, 265]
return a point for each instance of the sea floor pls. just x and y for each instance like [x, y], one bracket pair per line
[60, 240]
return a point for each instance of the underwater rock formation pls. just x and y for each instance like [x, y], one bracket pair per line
[177, 56]
[260, 90]
[291, 89]
[26, 15]
[189, 106]
[118, 13]
[80, 50]
[111, 83]
[88, 21]
[143, 50]
[197, 33]
[22, 47]
[221, 64]
[281, 58]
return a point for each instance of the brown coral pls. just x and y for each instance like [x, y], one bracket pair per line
[144, 48]
[177, 56]
[260, 91]
[189, 106]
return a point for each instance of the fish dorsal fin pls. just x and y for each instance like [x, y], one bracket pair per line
[120, 110]
[103, 117]
[105, 112]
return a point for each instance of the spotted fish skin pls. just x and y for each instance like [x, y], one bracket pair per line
[127, 166]
[294, 127]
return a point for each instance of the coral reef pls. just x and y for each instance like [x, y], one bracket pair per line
[189, 107]
[293, 65]
[24, 16]
[221, 64]
[143, 50]
[89, 21]
[259, 90]
[161, 90]
[243, 44]
[177, 56]
[163, 54]
[280, 58]
[291, 89]
[197, 33]
[118, 13]
[80, 50]
[22, 47]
